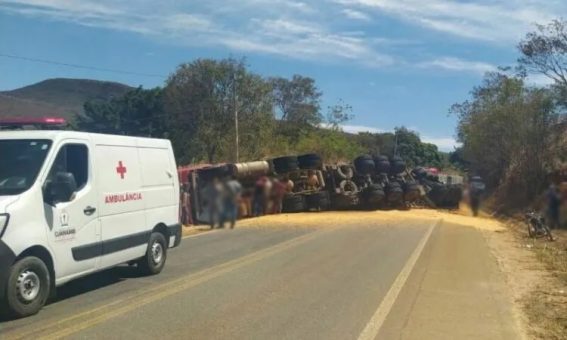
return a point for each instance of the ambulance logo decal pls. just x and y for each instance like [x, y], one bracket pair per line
[64, 218]
[65, 232]
[121, 170]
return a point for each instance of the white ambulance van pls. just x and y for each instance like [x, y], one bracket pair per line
[74, 203]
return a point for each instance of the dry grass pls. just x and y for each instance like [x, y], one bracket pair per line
[547, 313]
[545, 303]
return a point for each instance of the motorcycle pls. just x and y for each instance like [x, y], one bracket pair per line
[537, 226]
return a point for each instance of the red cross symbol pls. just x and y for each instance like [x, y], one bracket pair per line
[121, 169]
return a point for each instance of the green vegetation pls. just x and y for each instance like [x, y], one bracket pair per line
[196, 109]
[513, 132]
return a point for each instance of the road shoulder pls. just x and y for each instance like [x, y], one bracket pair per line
[455, 292]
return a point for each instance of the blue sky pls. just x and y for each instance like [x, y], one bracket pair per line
[397, 62]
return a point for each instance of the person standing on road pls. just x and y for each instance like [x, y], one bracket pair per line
[232, 196]
[476, 189]
[215, 202]
[279, 190]
[267, 197]
[259, 189]
[553, 205]
[186, 218]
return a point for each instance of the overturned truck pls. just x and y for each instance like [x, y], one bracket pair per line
[369, 183]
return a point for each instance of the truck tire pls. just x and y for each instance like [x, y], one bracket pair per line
[29, 286]
[345, 171]
[394, 192]
[373, 196]
[397, 165]
[293, 203]
[284, 165]
[411, 192]
[319, 201]
[310, 162]
[455, 194]
[348, 187]
[382, 164]
[364, 165]
[153, 262]
[344, 201]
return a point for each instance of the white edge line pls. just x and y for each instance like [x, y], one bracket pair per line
[375, 323]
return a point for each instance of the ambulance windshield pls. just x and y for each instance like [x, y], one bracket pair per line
[20, 162]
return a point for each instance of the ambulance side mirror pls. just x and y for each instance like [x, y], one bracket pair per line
[61, 189]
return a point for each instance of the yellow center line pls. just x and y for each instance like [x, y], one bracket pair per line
[92, 317]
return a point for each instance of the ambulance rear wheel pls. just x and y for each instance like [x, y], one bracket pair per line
[28, 287]
[154, 260]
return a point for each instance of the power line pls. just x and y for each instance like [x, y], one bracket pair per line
[85, 67]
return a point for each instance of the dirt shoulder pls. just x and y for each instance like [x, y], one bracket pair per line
[537, 272]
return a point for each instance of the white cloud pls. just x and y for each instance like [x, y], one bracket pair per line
[360, 128]
[259, 26]
[491, 20]
[301, 30]
[445, 144]
[458, 65]
[539, 80]
[356, 15]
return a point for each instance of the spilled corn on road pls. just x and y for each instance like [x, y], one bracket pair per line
[347, 275]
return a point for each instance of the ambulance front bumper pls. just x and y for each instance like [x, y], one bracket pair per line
[175, 234]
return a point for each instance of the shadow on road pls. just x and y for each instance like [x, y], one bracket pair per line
[89, 283]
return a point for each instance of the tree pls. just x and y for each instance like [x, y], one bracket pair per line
[331, 145]
[203, 97]
[372, 143]
[545, 51]
[137, 113]
[509, 133]
[339, 114]
[297, 103]
[413, 151]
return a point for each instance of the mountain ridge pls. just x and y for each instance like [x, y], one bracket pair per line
[62, 97]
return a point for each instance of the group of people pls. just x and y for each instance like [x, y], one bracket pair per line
[225, 199]
[267, 196]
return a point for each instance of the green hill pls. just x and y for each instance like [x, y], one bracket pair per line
[57, 97]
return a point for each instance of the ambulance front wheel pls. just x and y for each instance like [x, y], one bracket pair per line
[28, 287]
[154, 260]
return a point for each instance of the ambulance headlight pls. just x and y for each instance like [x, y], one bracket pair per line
[4, 218]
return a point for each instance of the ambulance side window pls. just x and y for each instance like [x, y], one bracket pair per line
[71, 164]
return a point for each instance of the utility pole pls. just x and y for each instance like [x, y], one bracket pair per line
[235, 101]
[395, 143]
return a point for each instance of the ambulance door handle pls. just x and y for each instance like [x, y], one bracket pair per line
[89, 210]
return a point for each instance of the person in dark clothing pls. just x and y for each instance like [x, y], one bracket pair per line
[214, 196]
[553, 205]
[476, 189]
[259, 194]
[232, 196]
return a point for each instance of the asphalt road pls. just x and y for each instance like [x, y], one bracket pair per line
[383, 280]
